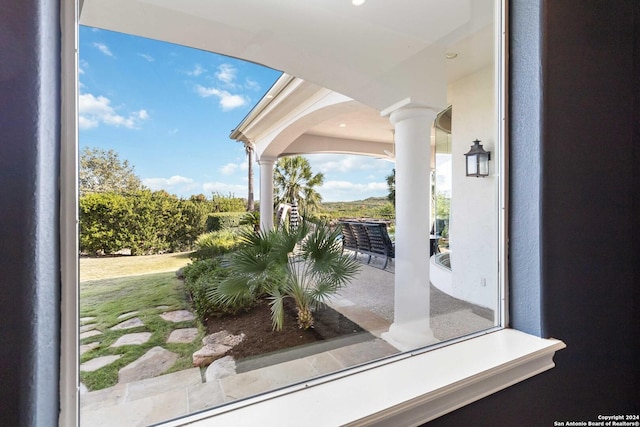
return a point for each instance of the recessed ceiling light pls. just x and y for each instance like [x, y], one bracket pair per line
[357, 2]
[343, 125]
[451, 55]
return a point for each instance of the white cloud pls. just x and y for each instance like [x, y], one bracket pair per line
[228, 169]
[333, 191]
[103, 48]
[147, 57]
[94, 110]
[251, 84]
[82, 65]
[223, 188]
[197, 70]
[345, 163]
[177, 184]
[226, 73]
[227, 100]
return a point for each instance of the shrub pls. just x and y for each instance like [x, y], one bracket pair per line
[228, 203]
[210, 245]
[201, 278]
[223, 220]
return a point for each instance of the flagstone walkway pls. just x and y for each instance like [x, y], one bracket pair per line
[154, 362]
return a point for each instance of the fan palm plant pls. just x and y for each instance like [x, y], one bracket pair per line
[266, 265]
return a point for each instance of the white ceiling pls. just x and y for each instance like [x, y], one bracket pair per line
[378, 54]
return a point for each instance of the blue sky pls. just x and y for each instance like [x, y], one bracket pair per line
[169, 110]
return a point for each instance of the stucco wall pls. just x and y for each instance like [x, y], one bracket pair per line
[474, 203]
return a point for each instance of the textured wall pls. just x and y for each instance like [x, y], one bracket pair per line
[29, 259]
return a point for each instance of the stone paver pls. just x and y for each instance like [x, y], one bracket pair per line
[355, 354]
[104, 398]
[128, 324]
[142, 412]
[98, 362]
[221, 368]
[205, 395]
[132, 339]
[163, 383]
[87, 319]
[266, 379]
[88, 347]
[185, 335]
[154, 362]
[129, 314]
[178, 316]
[85, 328]
[91, 333]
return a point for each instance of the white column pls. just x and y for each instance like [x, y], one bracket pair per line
[266, 192]
[411, 328]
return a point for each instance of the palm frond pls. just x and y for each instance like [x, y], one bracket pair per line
[276, 301]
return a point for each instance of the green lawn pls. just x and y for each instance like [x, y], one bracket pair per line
[150, 295]
[110, 267]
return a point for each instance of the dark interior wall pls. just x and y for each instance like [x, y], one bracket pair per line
[582, 90]
[577, 117]
[29, 256]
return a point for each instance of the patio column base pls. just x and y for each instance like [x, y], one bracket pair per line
[409, 336]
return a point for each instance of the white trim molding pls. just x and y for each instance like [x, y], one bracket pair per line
[408, 391]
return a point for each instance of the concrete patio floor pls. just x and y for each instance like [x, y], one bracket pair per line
[368, 301]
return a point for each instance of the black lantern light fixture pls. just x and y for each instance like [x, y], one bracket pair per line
[478, 160]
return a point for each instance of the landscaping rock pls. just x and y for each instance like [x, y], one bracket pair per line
[153, 363]
[98, 362]
[128, 324]
[185, 335]
[209, 353]
[224, 338]
[132, 339]
[178, 316]
[215, 346]
[221, 368]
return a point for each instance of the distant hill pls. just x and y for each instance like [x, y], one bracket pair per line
[374, 207]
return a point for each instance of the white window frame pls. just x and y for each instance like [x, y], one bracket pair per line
[406, 390]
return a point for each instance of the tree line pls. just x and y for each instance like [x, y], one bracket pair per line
[118, 212]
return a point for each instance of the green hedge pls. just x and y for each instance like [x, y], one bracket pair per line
[223, 220]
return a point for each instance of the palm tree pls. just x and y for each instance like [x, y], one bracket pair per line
[391, 185]
[294, 179]
[265, 265]
[248, 149]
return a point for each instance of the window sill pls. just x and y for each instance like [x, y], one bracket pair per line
[405, 392]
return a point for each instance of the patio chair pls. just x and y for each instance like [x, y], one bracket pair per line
[348, 238]
[379, 242]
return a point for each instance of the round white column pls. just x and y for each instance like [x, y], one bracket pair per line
[266, 192]
[411, 328]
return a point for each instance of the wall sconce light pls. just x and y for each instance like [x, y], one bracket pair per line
[478, 160]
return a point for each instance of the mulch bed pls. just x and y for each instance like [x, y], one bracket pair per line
[260, 339]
